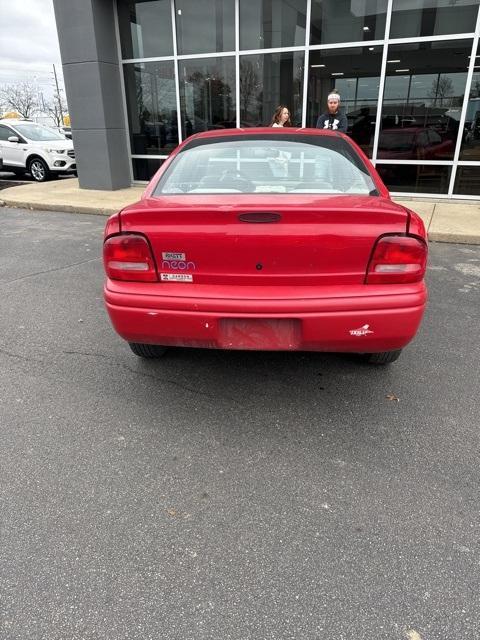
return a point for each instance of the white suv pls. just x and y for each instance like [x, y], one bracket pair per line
[43, 152]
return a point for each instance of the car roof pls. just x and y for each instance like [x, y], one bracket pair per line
[15, 121]
[264, 130]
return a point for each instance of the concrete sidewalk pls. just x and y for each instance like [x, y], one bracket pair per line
[65, 195]
[446, 220]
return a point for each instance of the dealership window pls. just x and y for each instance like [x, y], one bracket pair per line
[355, 74]
[423, 99]
[207, 94]
[267, 81]
[205, 26]
[470, 149]
[413, 178]
[411, 18]
[265, 24]
[151, 107]
[145, 168]
[347, 21]
[145, 28]
[467, 181]
[423, 96]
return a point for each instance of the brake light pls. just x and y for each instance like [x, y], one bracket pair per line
[128, 257]
[397, 259]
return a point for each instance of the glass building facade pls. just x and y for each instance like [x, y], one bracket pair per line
[408, 73]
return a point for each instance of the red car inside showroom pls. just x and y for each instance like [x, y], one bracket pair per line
[267, 240]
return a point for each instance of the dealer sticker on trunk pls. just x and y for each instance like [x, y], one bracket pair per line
[173, 255]
[176, 277]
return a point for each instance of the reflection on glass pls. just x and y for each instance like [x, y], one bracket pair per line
[432, 17]
[205, 26]
[467, 181]
[268, 80]
[470, 149]
[415, 178]
[145, 169]
[151, 107]
[347, 21]
[424, 88]
[207, 94]
[355, 74]
[264, 24]
[145, 28]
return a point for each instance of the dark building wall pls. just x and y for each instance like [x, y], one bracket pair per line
[86, 31]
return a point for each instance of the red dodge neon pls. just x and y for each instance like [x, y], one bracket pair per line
[270, 240]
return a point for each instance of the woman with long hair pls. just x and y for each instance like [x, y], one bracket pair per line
[281, 117]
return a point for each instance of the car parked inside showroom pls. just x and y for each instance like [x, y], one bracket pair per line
[268, 240]
[30, 147]
[414, 143]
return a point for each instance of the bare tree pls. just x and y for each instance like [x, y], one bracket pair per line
[248, 84]
[476, 88]
[56, 110]
[22, 98]
[441, 90]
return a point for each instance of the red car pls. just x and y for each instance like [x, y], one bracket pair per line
[414, 143]
[266, 239]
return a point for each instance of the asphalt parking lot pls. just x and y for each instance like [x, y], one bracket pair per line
[229, 495]
[9, 179]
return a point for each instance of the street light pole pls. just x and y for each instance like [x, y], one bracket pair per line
[58, 96]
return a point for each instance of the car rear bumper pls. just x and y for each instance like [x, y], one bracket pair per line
[360, 318]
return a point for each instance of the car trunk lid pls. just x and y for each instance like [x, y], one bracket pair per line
[264, 239]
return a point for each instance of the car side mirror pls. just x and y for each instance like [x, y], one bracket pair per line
[13, 139]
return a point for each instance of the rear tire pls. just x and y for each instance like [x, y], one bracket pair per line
[147, 350]
[385, 357]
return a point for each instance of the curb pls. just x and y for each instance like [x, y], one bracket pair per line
[65, 208]
[453, 238]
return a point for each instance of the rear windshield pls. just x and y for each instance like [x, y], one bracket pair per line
[281, 163]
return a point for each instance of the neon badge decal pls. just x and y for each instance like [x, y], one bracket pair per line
[177, 261]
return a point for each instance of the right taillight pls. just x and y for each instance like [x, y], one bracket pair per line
[128, 257]
[397, 259]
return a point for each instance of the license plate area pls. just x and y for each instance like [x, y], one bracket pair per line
[283, 334]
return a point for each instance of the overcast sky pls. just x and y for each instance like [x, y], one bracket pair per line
[29, 43]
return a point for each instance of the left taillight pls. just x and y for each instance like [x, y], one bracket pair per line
[128, 257]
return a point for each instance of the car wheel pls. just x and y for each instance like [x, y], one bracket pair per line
[38, 170]
[385, 357]
[147, 350]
